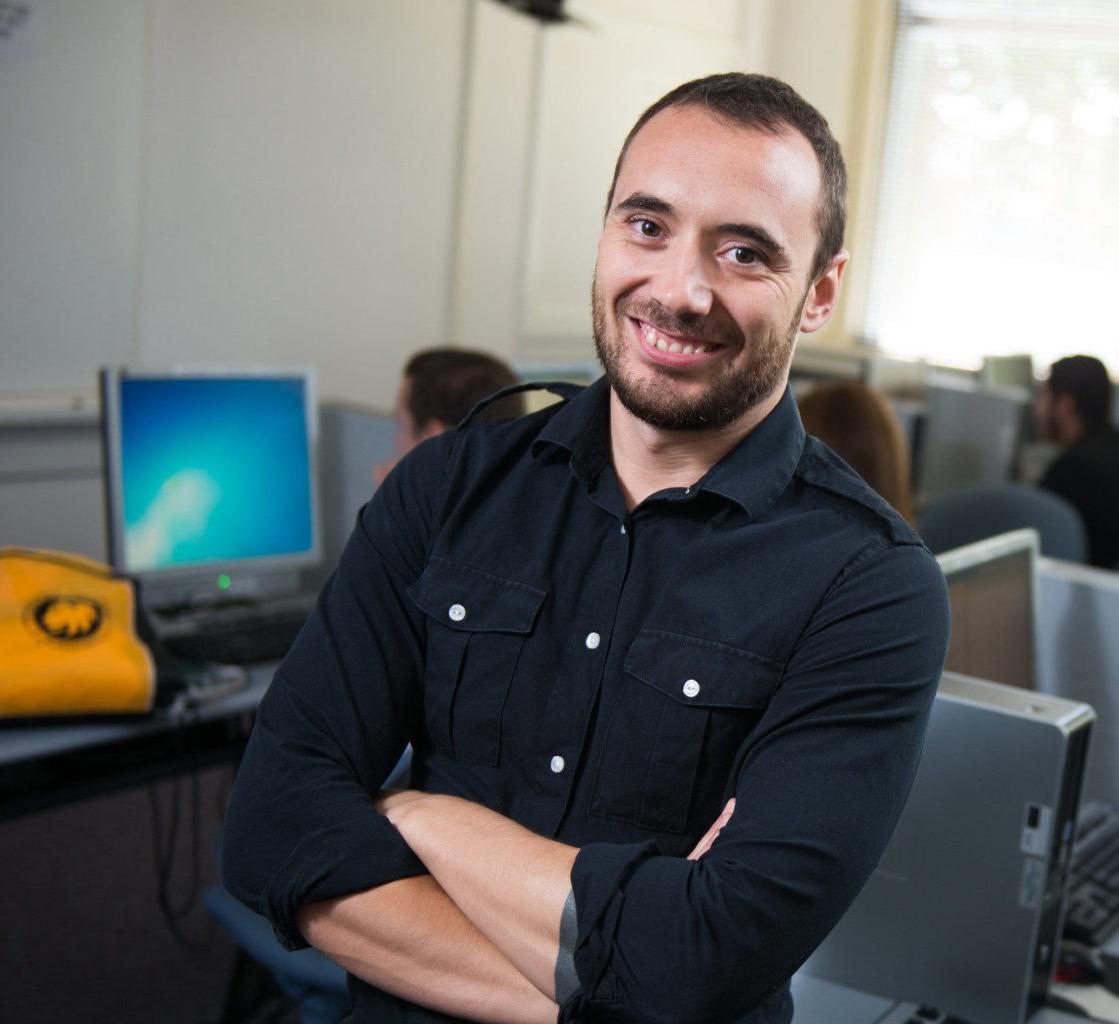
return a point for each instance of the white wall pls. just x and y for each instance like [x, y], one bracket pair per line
[265, 180]
[302, 160]
[71, 86]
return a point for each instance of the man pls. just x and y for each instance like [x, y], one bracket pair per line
[665, 663]
[439, 388]
[1072, 408]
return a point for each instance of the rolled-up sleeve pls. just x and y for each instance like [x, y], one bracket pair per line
[345, 702]
[819, 784]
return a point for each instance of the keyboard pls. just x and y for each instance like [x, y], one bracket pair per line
[1092, 904]
[235, 634]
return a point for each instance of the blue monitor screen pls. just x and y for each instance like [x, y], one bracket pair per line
[214, 469]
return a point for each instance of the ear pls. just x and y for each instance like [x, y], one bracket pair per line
[823, 295]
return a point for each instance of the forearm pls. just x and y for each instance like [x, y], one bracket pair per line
[509, 882]
[410, 939]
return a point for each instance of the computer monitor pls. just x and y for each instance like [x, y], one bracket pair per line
[992, 590]
[210, 481]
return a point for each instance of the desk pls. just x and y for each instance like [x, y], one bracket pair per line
[42, 766]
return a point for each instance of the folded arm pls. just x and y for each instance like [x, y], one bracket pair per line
[509, 882]
[409, 938]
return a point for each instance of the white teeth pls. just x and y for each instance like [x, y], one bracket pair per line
[654, 340]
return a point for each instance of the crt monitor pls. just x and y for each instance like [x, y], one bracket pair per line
[210, 481]
[992, 590]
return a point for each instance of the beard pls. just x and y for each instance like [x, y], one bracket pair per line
[736, 388]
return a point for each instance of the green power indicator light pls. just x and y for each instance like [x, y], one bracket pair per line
[224, 582]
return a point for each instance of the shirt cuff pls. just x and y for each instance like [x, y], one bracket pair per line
[334, 863]
[598, 878]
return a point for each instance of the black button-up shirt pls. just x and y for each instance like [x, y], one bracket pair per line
[609, 678]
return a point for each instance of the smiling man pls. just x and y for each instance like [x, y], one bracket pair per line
[665, 662]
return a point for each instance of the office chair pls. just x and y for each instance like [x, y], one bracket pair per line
[316, 985]
[968, 514]
[313, 982]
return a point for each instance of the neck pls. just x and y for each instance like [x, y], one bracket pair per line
[648, 459]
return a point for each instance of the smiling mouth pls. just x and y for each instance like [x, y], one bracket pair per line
[664, 347]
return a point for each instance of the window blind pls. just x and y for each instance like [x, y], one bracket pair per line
[998, 222]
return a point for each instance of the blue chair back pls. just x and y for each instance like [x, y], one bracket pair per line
[968, 514]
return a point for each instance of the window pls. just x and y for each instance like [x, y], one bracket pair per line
[998, 223]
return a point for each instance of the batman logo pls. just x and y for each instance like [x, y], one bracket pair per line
[68, 618]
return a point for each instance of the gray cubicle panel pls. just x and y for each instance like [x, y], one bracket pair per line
[51, 495]
[351, 442]
[1078, 658]
[970, 436]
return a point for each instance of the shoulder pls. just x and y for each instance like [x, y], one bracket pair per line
[829, 484]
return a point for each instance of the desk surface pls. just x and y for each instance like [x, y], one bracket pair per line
[45, 765]
[23, 743]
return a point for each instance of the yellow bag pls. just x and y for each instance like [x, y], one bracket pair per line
[68, 638]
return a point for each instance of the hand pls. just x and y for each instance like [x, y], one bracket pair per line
[712, 833]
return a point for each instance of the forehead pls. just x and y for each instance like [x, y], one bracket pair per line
[719, 172]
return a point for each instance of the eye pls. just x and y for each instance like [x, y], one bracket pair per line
[647, 228]
[744, 255]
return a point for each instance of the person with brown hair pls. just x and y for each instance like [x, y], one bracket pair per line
[857, 423]
[665, 663]
[439, 388]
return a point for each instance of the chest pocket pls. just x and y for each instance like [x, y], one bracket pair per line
[477, 623]
[684, 708]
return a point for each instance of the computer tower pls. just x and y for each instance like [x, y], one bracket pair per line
[964, 912]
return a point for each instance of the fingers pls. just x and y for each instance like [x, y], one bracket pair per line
[712, 833]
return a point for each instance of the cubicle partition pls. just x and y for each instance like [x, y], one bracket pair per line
[1078, 658]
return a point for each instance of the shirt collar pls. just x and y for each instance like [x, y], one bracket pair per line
[582, 427]
[757, 470]
[753, 474]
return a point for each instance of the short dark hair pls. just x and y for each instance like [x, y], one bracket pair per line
[1085, 379]
[446, 383]
[769, 105]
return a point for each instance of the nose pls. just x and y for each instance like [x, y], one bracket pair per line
[684, 284]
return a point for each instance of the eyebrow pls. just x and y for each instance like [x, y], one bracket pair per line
[642, 201]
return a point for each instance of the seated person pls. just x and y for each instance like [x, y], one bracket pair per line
[1072, 409]
[856, 421]
[439, 388]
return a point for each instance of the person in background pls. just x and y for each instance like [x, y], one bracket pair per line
[439, 388]
[1072, 409]
[856, 422]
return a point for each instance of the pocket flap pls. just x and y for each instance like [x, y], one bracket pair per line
[701, 672]
[473, 600]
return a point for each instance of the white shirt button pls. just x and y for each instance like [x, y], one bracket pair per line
[623, 530]
[691, 688]
[592, 641]
[557, 764]
[456, 613]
